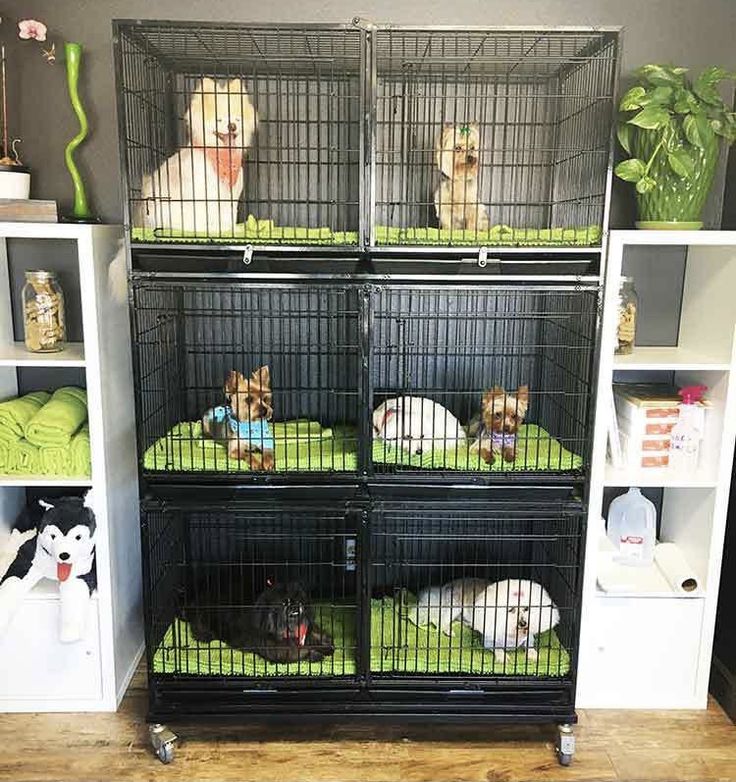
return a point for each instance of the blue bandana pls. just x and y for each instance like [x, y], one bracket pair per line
[502, 440]
[257, 433]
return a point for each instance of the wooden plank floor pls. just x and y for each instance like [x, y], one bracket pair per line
[612, 745]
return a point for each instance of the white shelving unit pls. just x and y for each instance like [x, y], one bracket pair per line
[42, 674]
[650, 648]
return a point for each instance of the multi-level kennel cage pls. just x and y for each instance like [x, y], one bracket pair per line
[371, 521]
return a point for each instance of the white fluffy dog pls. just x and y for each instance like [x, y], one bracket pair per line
[198, 188]
[508, 614]
[417, 425]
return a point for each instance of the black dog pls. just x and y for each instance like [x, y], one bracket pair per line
[279, 626]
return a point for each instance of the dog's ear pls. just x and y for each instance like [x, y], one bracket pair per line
[522, 400]
[235, 87]
[262, 376]
[234, 383]
[45, 505]
[474, 126]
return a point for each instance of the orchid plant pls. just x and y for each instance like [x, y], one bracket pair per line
[28, 30]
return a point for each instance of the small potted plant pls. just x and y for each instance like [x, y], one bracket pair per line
[672, 129]
[15, 178]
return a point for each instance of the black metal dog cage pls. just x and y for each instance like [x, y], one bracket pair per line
[517, 121]
[365, 136]
[367, 379]
[363, 562]
[286, 468]
[289, 173]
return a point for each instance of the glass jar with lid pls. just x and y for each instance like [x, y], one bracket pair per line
[43, 312]
[628, 304]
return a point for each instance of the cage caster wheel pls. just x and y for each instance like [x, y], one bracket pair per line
[163, 741]
[565, 745]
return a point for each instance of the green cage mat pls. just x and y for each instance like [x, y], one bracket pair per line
[397, 646]
[306, 446]
[254, 231]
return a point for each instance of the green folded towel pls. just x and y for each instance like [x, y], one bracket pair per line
[55, 460]
[536, 450]
[56, 422]
[253, 231]
[80, 454]
[16, 413]
[497, 235]
[19, 458]
[185, 449]
[397, 646]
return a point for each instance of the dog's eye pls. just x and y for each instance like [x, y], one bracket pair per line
[512, 610]
[458, 148]
[248, 400]
[497, 416]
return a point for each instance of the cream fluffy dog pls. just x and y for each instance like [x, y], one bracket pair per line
[198, 188]
[456, 198]
[508, 614]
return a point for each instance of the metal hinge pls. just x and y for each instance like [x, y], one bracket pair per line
[247, 254]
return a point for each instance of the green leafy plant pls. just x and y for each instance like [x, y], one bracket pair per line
[684, 118]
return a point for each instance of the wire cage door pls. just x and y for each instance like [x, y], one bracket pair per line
[491, 137]
[262, 589]
[241, 133]
[483, 381]
[475, 589]
[258, 378]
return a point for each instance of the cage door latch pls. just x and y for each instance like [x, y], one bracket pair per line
[483, 257]
[247, 254]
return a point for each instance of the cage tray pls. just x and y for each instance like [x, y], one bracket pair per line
[252, 231]
[265, 232]
[397, 646]
[184, 449]
[300, 446]
[496, 236]
[535, 450]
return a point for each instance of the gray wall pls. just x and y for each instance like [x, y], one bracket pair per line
[689, 32]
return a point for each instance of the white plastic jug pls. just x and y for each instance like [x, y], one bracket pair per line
[632, 528]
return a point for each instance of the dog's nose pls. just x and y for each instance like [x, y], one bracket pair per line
[64, 556]
[232, 127]
[470, 158]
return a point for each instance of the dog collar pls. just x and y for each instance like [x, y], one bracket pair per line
[257, 433]
[503, 439]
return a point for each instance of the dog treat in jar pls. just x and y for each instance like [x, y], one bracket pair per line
[628, 303]
[43, 313]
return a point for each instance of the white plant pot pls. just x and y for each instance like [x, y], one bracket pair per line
[15, 182]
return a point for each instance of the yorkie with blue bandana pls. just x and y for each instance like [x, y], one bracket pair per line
[242, 424]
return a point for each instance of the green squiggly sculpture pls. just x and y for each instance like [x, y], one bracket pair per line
[73, 52]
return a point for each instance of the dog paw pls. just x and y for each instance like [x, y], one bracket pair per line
[267, 461]
[509, 454]
[487, 455]
[532, 655]
[499, 656]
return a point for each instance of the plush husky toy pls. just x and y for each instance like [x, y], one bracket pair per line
[63, 550]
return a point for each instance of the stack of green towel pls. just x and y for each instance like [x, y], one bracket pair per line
[45, 435]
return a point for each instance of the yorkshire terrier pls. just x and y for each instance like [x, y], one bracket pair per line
[456, 198]
[242, 424]
[496, 428]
